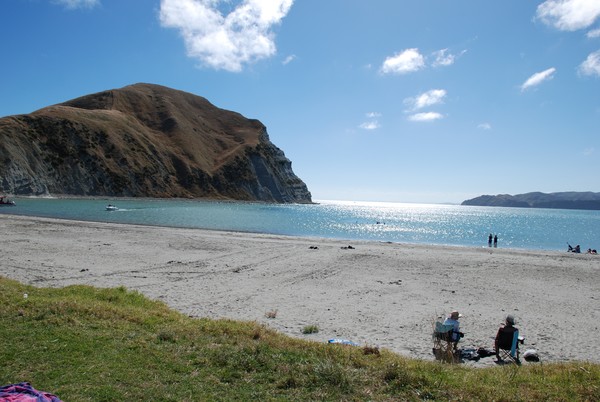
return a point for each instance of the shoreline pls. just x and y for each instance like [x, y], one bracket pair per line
[308, 238]
[454, 225]
[377, 293]
[316, 238]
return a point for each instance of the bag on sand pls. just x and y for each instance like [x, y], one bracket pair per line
[531, 355]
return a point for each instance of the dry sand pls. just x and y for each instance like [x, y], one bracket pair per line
[376, 294]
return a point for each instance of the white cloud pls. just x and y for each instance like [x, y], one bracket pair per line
[289, 59]
[484, 126]
[410, 60]
[407, 61]
[537, 78]
[595, 33]
[569, 15]
[73, 4]
[591, 65]
[426, 99]
[426, 116]
[372, 124]
[443, 58]
[429, 98]
[229, 41]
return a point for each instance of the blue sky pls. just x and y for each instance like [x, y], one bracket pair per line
[378, 100]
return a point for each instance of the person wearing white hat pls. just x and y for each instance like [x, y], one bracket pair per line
[452, 319]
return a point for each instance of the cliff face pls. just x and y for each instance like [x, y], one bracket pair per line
[563, 200]
[144, 141]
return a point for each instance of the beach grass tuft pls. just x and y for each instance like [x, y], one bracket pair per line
[310, 329]
[85, 343]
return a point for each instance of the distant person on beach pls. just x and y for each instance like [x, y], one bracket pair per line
[496, 241]
[452, 319]
[490, 240]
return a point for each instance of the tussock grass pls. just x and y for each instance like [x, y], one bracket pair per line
[84, 344]
[310, 329]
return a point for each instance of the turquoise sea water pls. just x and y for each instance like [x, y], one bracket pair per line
[539, 229]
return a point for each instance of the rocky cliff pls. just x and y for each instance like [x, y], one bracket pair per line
[563, 200]
[144, 140]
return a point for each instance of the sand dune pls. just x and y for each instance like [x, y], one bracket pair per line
[376, 294]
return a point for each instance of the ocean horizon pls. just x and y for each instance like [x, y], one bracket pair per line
[435, 224]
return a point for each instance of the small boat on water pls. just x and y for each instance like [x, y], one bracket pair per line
[5, 202]
[111, 207]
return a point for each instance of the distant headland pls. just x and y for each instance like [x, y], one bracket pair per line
[561, 200]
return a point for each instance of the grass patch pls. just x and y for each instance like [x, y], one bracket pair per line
[310, 329]
[83, 343]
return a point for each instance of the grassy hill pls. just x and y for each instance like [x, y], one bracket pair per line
[144, 140]
[88, 344]
[563, 200]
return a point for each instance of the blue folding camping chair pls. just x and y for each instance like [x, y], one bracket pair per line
[444, 345]
[507, 344]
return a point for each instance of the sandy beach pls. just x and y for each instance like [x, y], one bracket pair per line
[376, 294]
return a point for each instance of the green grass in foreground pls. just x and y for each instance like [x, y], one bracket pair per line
[83, 343]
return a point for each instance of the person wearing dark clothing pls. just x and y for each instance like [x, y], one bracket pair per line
[505, 335]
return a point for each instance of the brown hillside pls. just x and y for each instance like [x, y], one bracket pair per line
[144, 140]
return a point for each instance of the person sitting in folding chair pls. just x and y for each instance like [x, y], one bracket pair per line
[507, 341]
[443, 347]
[453, 321]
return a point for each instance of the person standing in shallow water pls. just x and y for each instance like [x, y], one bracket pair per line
[496, 241]
[490, 240]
